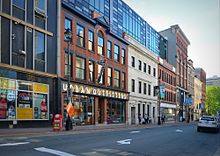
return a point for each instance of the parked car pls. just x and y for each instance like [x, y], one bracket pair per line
[208, 122]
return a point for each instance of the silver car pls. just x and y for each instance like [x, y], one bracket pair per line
[208, 122]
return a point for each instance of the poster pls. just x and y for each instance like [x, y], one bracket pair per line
[40, 106]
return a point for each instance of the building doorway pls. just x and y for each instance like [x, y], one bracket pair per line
[133, 115]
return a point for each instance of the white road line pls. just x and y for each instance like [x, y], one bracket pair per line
[125, 142]
[134, 132]
[14, 144]
[51, 151]
[179, 131]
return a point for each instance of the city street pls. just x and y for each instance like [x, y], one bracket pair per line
[171, 140]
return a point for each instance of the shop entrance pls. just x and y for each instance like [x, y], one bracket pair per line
[133, 115]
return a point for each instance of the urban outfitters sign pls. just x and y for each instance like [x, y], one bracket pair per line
[84, 89]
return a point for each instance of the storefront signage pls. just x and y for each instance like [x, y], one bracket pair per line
[40, 88]
[24, 113]
[167, 105]
[84, 89]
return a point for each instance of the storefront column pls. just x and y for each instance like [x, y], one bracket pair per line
[96, 110]
[126, 112]
[105, 111]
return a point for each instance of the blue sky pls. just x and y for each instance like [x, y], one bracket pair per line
[198, 19]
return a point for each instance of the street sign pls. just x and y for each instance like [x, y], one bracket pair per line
[188, 101]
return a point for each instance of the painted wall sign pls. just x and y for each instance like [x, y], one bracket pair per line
[84, 89]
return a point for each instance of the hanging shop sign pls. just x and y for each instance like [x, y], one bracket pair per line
[84, 89]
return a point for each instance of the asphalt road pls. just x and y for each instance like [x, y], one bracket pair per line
[160, 141]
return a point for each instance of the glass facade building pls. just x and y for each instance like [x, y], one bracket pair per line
[122, 19]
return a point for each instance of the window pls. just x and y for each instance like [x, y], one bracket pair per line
[132, 85]
[68, 25]
[39, 46]
[80, 36]
[116, 78]
[149, 89]
[154, 72]
[132, 61]
[91, 71]
[100, 43]
[19, 3]
[40, 4]
[140, 86]
[66, 65]
[145, 88]
[109, 76]
[123, 56]
[140, 63]
[80, 68]
[145, 67]
[109, 48]
[101, 74]
[123, 81]
[149, 69]
[91, 41]
[116, 53]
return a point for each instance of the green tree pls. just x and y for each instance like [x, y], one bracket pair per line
[212, 99]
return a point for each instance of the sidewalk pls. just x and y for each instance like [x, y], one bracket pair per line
[48, 131]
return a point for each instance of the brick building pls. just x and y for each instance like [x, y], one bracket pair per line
[167, 78]
[102, 101]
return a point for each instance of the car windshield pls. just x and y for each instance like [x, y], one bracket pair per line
[207, 118]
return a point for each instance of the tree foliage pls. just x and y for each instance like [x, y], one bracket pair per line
[212, 99]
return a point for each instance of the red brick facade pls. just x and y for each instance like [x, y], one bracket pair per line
[100, 102]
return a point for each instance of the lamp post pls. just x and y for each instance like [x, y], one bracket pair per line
[181, 103]
[68, 39]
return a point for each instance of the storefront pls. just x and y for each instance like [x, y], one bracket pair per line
[93, 105]
[169, 110]
[23, 100]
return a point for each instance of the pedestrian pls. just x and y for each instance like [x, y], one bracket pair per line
[146, 117]
[139, 119]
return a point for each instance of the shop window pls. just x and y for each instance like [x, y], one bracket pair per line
[115, 112]
[109, 48]
[7, 104]
[80, 68]
[66, 74]
[91, 71]
[109, 76]
[40, 106]
[100, 43]
[116, 78]
[91, 40]
[80, 36]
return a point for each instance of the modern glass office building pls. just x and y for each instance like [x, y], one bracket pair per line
[121, 19]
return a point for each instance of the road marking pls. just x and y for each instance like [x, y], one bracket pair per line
[134, 132]
[179, 131]
[125, 142]
[51, 151]
[14, 144]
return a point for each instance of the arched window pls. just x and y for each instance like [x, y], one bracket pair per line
[100, 43]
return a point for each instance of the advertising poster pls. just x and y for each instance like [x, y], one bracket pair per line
[24, 105]
[7, 104]
[40, 106]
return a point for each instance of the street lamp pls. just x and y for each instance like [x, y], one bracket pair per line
[181, 103]
[157, 90]
[68, 38]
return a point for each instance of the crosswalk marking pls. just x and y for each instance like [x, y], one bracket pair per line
[51, 151]
[14, 144]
